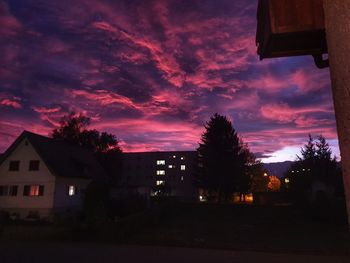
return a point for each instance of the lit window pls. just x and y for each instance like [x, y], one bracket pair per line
[160, 182]
[72, 190]
[182, 158]
[160, 162]
[183, 167]
[34, 165]
[171, 166]
[202, 198]
[14, 166]
[160, 172]
[286, 180]
[174, 156]
[33, 190]
[182, 178]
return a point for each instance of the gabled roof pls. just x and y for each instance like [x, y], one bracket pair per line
[62, 159]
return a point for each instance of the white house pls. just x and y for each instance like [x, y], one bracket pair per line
[40, 177]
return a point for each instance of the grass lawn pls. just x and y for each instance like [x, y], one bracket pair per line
[241, 227]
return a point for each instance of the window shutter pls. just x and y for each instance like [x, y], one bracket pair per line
[26, 190]
[41, 190]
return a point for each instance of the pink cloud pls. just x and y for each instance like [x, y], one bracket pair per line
[279, 138]
[104, 98]
[49, 115]
[305, 80]
[11, 103]
[310, 80]
[55, 45]
[164, 60]
[283, 113]
[10, 130]
[160, 135]
[46, 110]
[105, 26]
[10, 26]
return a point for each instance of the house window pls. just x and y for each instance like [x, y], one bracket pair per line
[13, 190]
[6, 190]
[72, 190]
[33, 190]
[160, 182]
[171, 166]
[34, 165]
[183, 167]
[160, 162]
[14, 166]
[160, 172]
[3, 190]
[182, 158]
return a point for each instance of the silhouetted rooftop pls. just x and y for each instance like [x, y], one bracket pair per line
[62, 159]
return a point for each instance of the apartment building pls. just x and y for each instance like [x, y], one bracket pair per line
[160, 173]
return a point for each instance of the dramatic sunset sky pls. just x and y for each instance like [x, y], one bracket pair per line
[153, 72]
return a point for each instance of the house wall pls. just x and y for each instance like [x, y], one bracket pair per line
[65, 203]
[21, 204]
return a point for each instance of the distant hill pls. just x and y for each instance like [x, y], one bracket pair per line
[277, 169]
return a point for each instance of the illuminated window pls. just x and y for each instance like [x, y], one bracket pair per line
[182, 178]
[34, 165]
[14, 166]
[160, 182]
[174, 156]
[160, 162]
[202, 198]
[286, 180]
[183, 167]
[182, 158]
[33, 190]
[72, 190]
[171, 166]
[160, 172]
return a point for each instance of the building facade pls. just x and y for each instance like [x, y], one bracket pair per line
[160, 173]
[41, 177]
